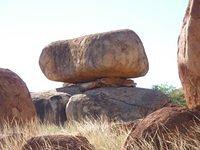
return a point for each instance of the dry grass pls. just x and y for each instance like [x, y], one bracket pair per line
[97, 132]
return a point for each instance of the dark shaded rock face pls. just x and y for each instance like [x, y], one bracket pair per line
[116, 54]
[162, 123]
[50, 106]
[16, 105]
[58, 142]
[123, 103]
[189, 54]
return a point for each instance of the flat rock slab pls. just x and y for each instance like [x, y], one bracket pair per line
[117, 104]
[117, 54]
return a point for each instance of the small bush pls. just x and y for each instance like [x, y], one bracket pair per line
[176, 95]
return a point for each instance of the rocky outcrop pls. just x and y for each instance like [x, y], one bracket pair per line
[16, 105]
[116, 54]
[161, 123]
[122, 103]
[58, 142]
[50, 106]
[189, 54]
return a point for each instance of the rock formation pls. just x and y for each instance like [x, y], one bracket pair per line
[117, 104]
[16, 105]
[189, 54]
[116, 54]
[58, 142]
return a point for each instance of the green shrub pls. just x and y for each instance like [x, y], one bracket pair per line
[176, 95]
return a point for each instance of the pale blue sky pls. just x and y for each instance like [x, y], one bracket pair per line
[26, 26]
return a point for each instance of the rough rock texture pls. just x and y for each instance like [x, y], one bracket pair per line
[99, 83]
[117, 54]
[189, 54]
[163, 122]
[50, 106]
[123, 103]
[58, 142]
[16, 105]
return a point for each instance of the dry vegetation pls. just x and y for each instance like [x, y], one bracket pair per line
[97, 132]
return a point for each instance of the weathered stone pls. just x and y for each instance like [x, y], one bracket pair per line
[58, 142]
[163, 123]
[117, 104]
[99, 83]
[50, 106]
[116, 54]
[16, 105]
[189, 54]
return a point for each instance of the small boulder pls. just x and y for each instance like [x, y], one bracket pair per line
[16, 105]
[50, 106]
[116, 54]
[163, 122]
[189, 54]
[116, 104]
[58, 142]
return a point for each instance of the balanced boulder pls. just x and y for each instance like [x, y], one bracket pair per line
[16, 105]
[116, 54]
[189, 54]
[115, 103]
[58, 142]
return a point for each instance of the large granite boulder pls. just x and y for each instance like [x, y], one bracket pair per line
[16, 105]
[58, 142]
[189, 54]
[122, 103]
[50, 106]
[163, 125]
[118, 54]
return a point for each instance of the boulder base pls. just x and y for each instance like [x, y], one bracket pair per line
[116, 104]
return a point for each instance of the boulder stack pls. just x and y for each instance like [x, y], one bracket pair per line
[96, 70]
[16, 105]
